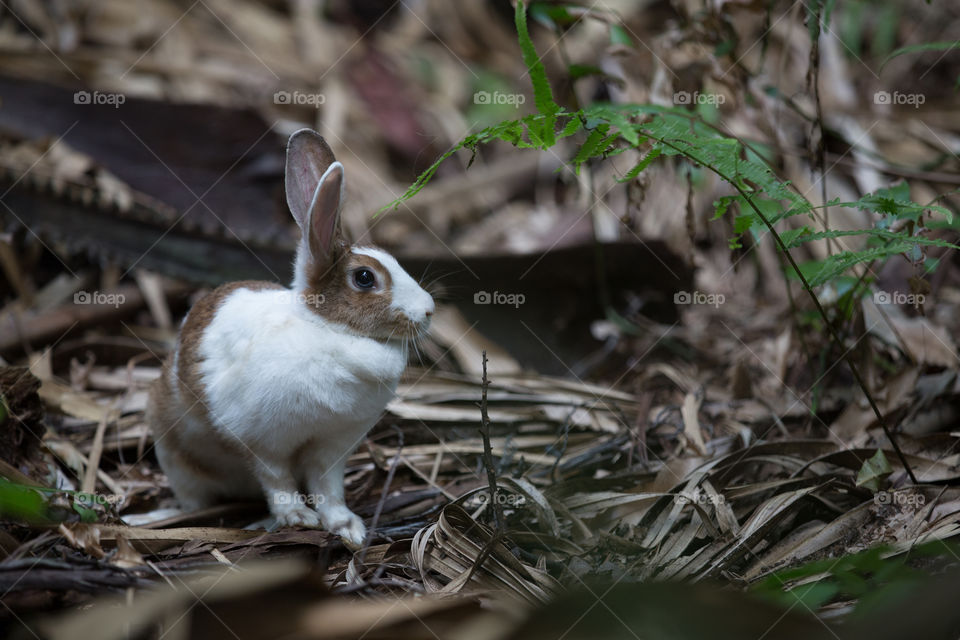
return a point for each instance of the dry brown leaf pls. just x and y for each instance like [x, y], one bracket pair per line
[691, 423]
[126, 557]
[85, 537]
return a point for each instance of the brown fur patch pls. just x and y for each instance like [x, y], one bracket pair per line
[367, 313]
[164, 415]
[192, 395]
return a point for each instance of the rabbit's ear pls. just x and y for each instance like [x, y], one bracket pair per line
[314, 180]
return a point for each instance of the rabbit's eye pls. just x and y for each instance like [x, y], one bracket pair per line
[364, 279]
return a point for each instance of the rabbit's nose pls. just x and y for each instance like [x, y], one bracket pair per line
[429, 312]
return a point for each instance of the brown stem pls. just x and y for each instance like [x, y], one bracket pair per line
[488, 450]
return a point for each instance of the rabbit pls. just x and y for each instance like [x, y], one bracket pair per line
[269, 389]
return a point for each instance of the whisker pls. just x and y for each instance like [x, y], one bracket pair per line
[426, 270]
[435, 287]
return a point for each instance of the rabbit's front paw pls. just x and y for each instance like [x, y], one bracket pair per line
[346, 524]
[353, 533]
[298, 516]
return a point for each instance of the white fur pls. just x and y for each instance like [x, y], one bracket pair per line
[279, 379]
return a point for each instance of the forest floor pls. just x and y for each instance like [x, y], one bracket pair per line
[670, 425]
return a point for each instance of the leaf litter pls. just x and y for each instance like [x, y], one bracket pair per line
[717, 461]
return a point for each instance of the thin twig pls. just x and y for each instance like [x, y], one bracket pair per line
[498, 533]
[847, 357]
[89, 484]
[488, 450]
[383, 497]
[819, 151]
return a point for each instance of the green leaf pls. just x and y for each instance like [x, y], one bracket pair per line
[876, 577]
[643, 164]
[542, 93]
[619, 35]
[763, 198]
[626, 128]
[578, 71]
[742, 223]
[550, 15]
[596, 142]
[882, 234]
[721, 205]
[898, 588]
[86, 514]
[572, 127]
[20, 502]
[895, 201]
[874, 471]
[795, 237]
[813, 595]
[926, 46]
[724, 47]
[886, 23]
[813, 19]
[828, 12]
[769, 209]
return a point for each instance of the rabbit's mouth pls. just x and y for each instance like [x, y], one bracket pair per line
[405, 328]
[396, 325]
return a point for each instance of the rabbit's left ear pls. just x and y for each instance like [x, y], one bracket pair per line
[314, 185]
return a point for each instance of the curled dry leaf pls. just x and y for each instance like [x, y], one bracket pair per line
[445, 552]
